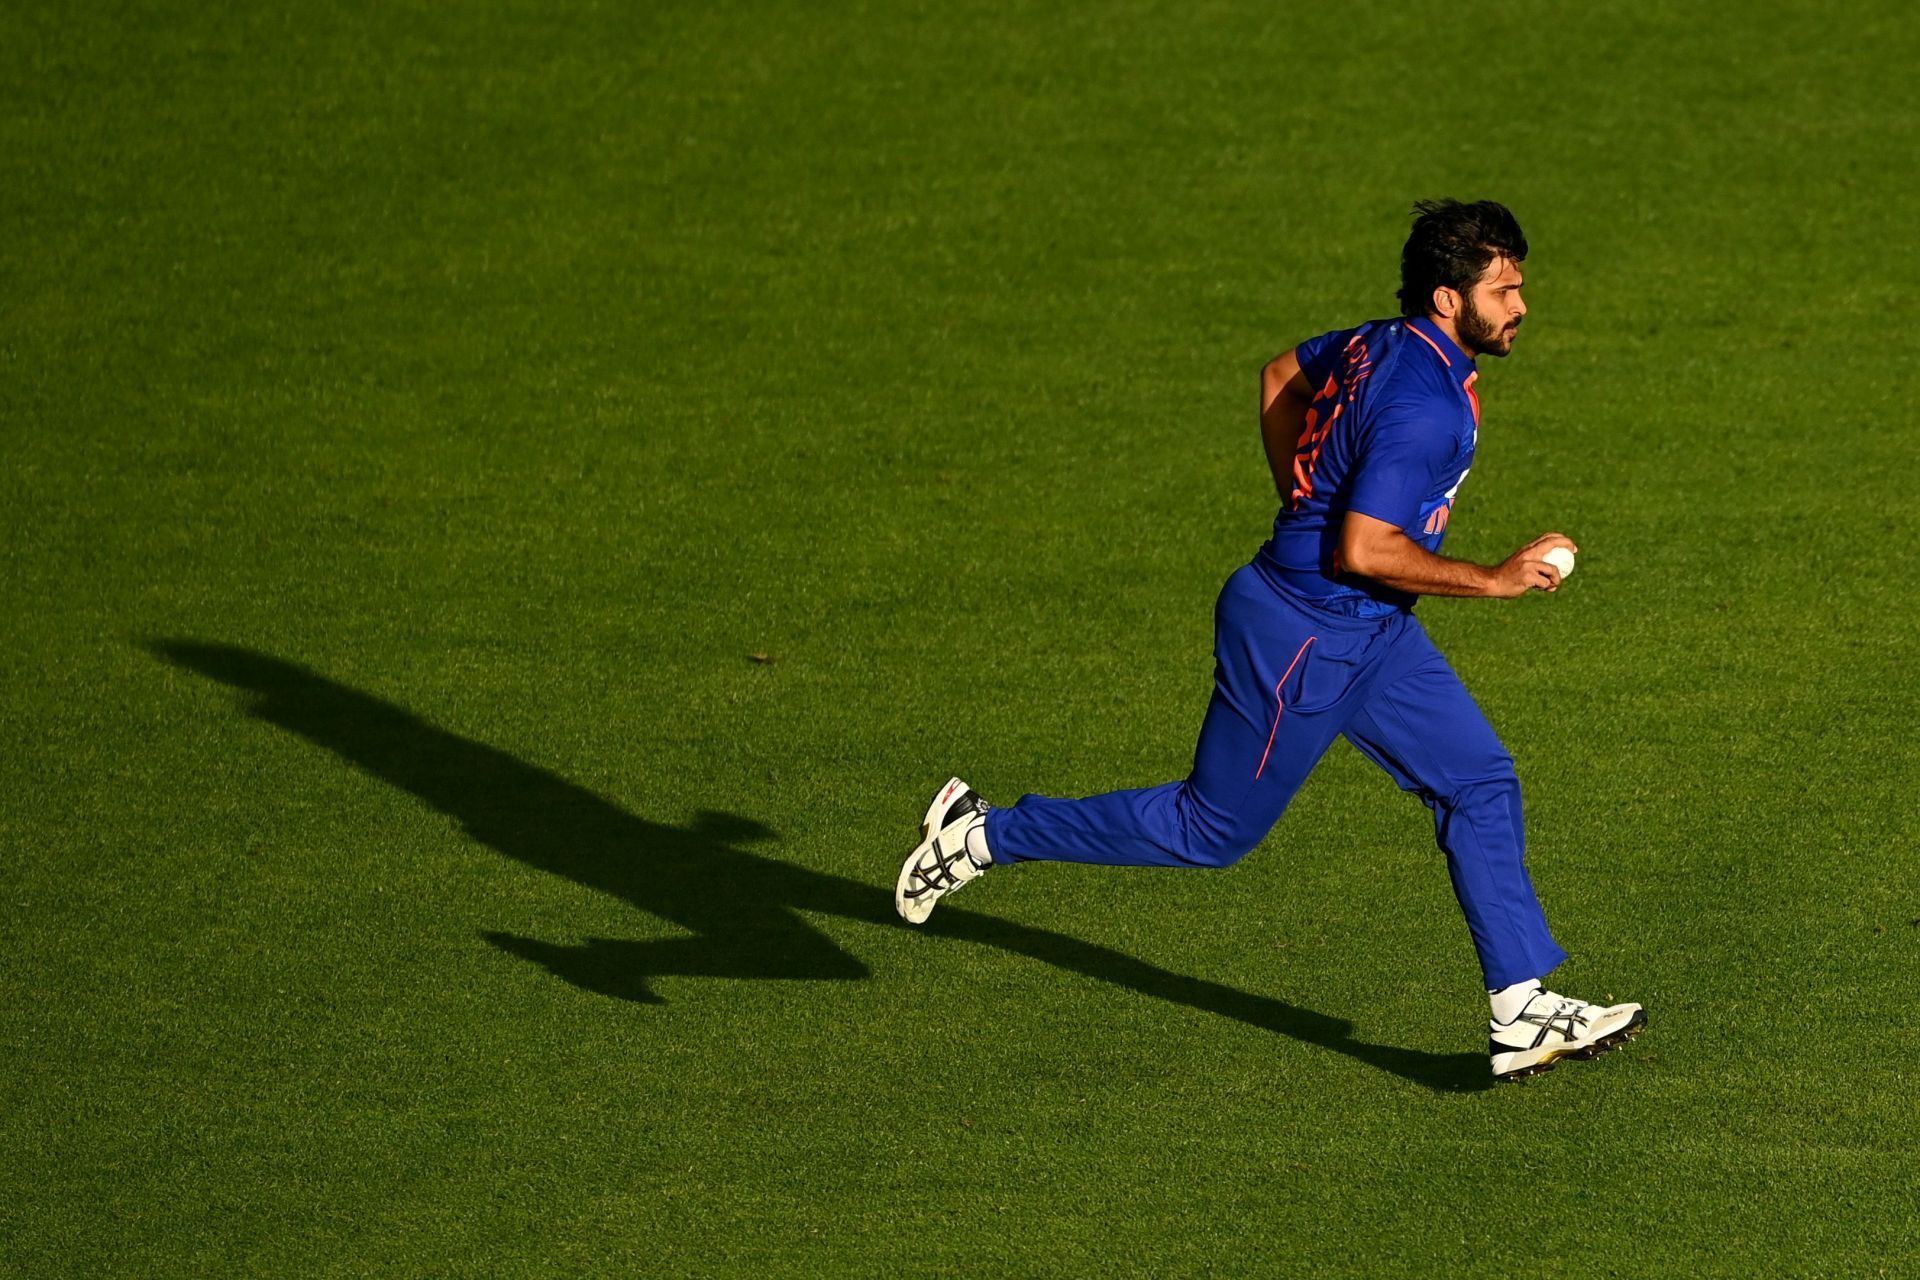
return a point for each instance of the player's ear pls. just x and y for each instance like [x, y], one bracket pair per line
[1446, 302]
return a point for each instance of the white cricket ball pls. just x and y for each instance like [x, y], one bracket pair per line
[1561, 559]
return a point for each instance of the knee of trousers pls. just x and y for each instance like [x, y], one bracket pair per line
[1218, 845]
[1498, 787]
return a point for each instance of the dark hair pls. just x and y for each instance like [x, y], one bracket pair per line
[1452, 244]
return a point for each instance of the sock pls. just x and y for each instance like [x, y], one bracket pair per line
[1510, 1002]
[977, 845]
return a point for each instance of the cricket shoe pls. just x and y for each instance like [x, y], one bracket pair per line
[1552, 1027]
[941, 864]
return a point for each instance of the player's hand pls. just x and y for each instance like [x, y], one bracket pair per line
[1525, 571]
[1545, 543]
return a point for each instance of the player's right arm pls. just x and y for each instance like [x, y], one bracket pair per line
[1380, 550]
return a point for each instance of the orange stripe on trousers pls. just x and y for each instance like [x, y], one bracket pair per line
[1280, 707]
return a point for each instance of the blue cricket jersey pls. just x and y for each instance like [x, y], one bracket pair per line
[1390, 434]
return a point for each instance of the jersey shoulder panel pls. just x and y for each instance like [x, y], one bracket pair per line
[1324, 356]
[1415, 372]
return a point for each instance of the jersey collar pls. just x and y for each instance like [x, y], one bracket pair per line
[1458, 362]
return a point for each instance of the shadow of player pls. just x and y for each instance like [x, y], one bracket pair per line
[738, 905]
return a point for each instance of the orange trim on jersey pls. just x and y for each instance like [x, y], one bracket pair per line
[1280, 707]
[1306, 453]
[1430, 342]
[1356, 366]
[1473, 397]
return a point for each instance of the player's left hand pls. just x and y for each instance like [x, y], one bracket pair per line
[1546, 542]
[1525, 571]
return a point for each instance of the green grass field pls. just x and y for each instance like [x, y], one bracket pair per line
[511, 508]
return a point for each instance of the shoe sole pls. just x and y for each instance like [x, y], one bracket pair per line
[941, 800]
[1584, 1053]
[901, 902]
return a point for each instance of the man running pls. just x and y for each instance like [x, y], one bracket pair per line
[1369, 432]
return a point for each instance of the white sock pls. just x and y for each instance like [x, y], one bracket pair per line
[977, 845]
[1510, 1002]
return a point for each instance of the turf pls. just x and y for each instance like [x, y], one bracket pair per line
[511, 508]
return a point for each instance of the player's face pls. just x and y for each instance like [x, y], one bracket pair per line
[1491, 311]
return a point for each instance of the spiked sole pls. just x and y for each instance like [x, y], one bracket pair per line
[1582, 1053]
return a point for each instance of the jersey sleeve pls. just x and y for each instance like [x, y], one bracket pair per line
[1318, 355]
[1401, 458]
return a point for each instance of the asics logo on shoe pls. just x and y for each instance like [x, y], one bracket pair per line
[937, 873]
[1569, 1021]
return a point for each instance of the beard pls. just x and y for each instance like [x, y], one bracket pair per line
[1481, 336]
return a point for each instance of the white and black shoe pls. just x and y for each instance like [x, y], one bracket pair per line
[942, 863]
[1552, 1027]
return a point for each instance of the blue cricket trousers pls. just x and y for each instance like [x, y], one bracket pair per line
[1288, 679]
